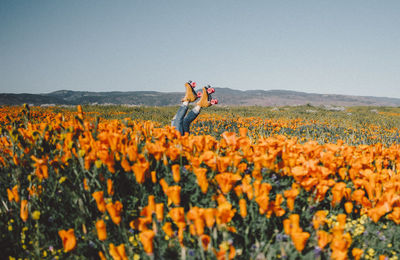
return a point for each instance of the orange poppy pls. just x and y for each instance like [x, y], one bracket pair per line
[110, 188]
[290, 196]
[357, 253]
[176, 172]
[338, 191]
[118, 253]
[114, 209]
[201, 175]
[146, 238]
[85, 185]
[101, 230]
[174, 194]
[278, 210]
[167, 228]
[395, 215]
[225, 213]
[160, 211]
[164, 185]
[102, 256]
[243, 208]
[153, 176]
[300, 240]
[319, 218]
[348, 206]
[24, 210]
[226, 181]
[140, 169]
[101, 204]
[13, 194]
[68, 239]
[323, 238]
[209, 216]
[177, 215]
[151, 204]
[205, 241]
[195, 214]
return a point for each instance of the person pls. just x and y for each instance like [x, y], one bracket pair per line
[181, 121]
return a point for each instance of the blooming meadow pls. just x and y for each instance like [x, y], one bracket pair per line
[248, 183]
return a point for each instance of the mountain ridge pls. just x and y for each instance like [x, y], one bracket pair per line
[226, 96]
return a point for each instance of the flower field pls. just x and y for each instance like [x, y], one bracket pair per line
[248, 183]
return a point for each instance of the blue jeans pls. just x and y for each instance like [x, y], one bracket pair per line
[182, 122]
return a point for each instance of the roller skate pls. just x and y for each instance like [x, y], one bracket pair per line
[190, 94]
[205, 97]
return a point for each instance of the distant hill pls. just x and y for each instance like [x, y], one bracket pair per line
[226, 96]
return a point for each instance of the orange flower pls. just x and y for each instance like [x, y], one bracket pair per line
[146, 238]
[338, 191]
[173, 194]
[201, 178]
[323, 238]
[85, 185]
[153, 176]
[117, 253]
[13, 194]
[115, 211]
[230, 138]
[164, 185]
[209, 216]
[151, 204]
[167, 228]
[140, 169]
[68, 239]
[24, 210]
[177, 215]
[195, 214]
[341, 219]
[225, 213]
[243, 208]
[205, 241]
[300, 240]
[395, 215]
[348, 206]
[277, 206]
[226, 181]
[319, 218]
[101, 230]
[160, 211]
[290, 196]
[110, 188]
[101, 256]
[176, 172]
[98, 196]
[357, 253]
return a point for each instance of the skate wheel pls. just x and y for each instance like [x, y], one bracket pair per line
[214, 101]
[210, 90]
[199, 94]
[193, 84]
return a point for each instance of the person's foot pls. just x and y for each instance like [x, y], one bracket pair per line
[190, 94]
[205, 100]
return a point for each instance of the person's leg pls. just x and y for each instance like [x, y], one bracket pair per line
[190, 117]
[205, 101]
[177, 120]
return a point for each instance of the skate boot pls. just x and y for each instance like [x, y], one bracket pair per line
[190, 94]
[205, 98]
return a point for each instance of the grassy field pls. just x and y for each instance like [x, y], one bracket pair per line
[117, 182]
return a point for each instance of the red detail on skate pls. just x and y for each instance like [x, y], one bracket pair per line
[193, 84]
[214, 101]
[199, 94]
[210, 90]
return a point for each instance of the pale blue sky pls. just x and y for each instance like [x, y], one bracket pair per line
[341, 47]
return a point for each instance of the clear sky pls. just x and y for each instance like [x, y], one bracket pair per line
[340, 47]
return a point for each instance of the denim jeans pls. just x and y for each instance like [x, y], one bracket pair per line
[182, 122]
